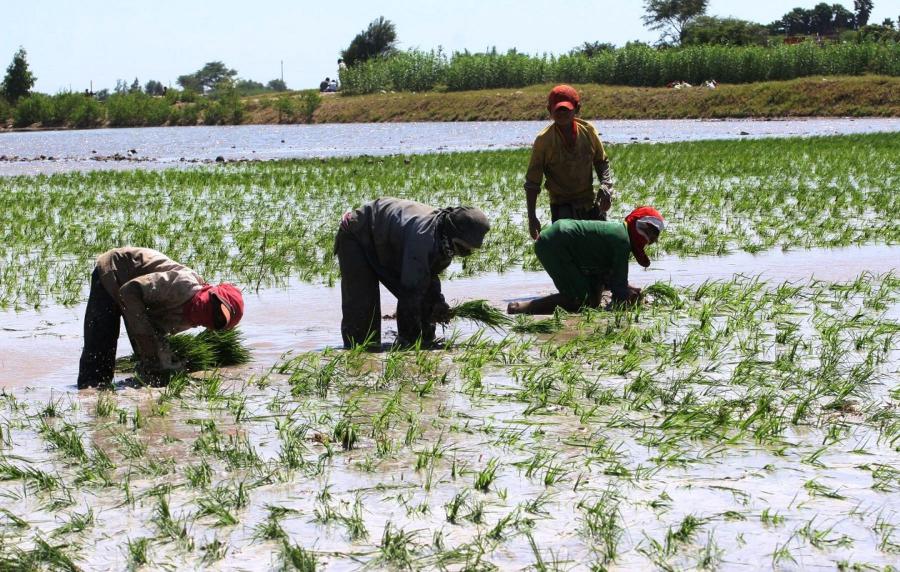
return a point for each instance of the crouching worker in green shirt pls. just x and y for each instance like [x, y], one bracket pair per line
[585, 257]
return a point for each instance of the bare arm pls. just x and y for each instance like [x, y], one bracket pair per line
[534, 225]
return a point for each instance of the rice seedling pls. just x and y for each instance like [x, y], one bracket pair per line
[170, 527]
[663, 293]
[78, 522]
[137, 552]
[295, 557]
[34, 477]
[345, 432]
[396, 548]
[485, 477]
[528, 325]
[204, 351]
[481, 312]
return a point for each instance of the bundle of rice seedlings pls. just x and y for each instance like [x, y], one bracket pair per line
[482, 312]
[663, 292]
[207, 350]
[527, 325]
[227, 346]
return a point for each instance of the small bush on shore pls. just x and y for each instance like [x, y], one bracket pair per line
[33, 109]
[5, 111]
[136, 109]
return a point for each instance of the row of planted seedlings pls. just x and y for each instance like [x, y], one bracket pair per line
[275, 221]
[732, 423]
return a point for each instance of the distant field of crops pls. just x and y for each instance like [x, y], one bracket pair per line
[635, 65]
[263, 223]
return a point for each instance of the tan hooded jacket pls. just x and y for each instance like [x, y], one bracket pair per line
[151, 290]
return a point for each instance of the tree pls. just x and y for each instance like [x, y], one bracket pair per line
[154, 87]
[821, 18]
[135, 86]
[19, 80]
[379, 39]
[724, 31]
[276, 85]
[671, 16]
[863, 10]
[843, 18]
[207, 77]
[591, 49]
[248, 87]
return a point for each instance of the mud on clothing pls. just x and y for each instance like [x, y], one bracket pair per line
[397, 243]
[568, 169]
[148, 290]
[582, 255]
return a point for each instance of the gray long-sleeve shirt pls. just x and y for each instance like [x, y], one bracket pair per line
[401, 237]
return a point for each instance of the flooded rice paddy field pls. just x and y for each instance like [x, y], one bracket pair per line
[746, 417]
[730, 424]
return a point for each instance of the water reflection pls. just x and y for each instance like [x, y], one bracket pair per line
[165, 147]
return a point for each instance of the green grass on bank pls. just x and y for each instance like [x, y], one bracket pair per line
[875, 96]
[831, 96]
[276, 220]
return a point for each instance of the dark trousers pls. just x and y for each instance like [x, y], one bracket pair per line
[572, 211]
[361, 300]
[360, 295]
[101, 336]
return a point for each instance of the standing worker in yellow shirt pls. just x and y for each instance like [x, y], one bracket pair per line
[567, 153]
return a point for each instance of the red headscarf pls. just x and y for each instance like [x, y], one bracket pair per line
[200, 310]
[638, 242]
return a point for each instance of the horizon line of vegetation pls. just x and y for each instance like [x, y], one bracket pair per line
[636, 65]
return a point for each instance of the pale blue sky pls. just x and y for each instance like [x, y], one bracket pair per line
[70, 43]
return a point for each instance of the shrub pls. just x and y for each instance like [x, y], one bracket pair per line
[636, 65]
[286, 106]
[5, 111]
[136, 109]
[309, 102]
[35, 108]
[74, 110]
[186, 114]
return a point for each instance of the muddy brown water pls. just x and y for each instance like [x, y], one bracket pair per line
[40, 349]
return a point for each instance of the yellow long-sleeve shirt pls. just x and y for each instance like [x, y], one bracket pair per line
[569, 171]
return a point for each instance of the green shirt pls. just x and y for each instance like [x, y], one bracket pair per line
[580, 255]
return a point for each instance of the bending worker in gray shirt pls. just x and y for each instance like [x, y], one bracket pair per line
[404, 245]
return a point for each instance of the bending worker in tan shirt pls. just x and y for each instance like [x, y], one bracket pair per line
[567, 153]
[156, 296]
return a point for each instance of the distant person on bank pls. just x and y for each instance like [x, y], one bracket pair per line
[156, 296]
[404, 245]
[566, 154]
[586, 257]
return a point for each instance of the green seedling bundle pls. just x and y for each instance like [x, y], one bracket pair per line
[274, 222]
[207, 350]
[731, 423]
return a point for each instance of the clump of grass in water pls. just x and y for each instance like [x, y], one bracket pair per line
[527, 325]
[663, 292]
[482, 312]
[295, 557]
[207, 350]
